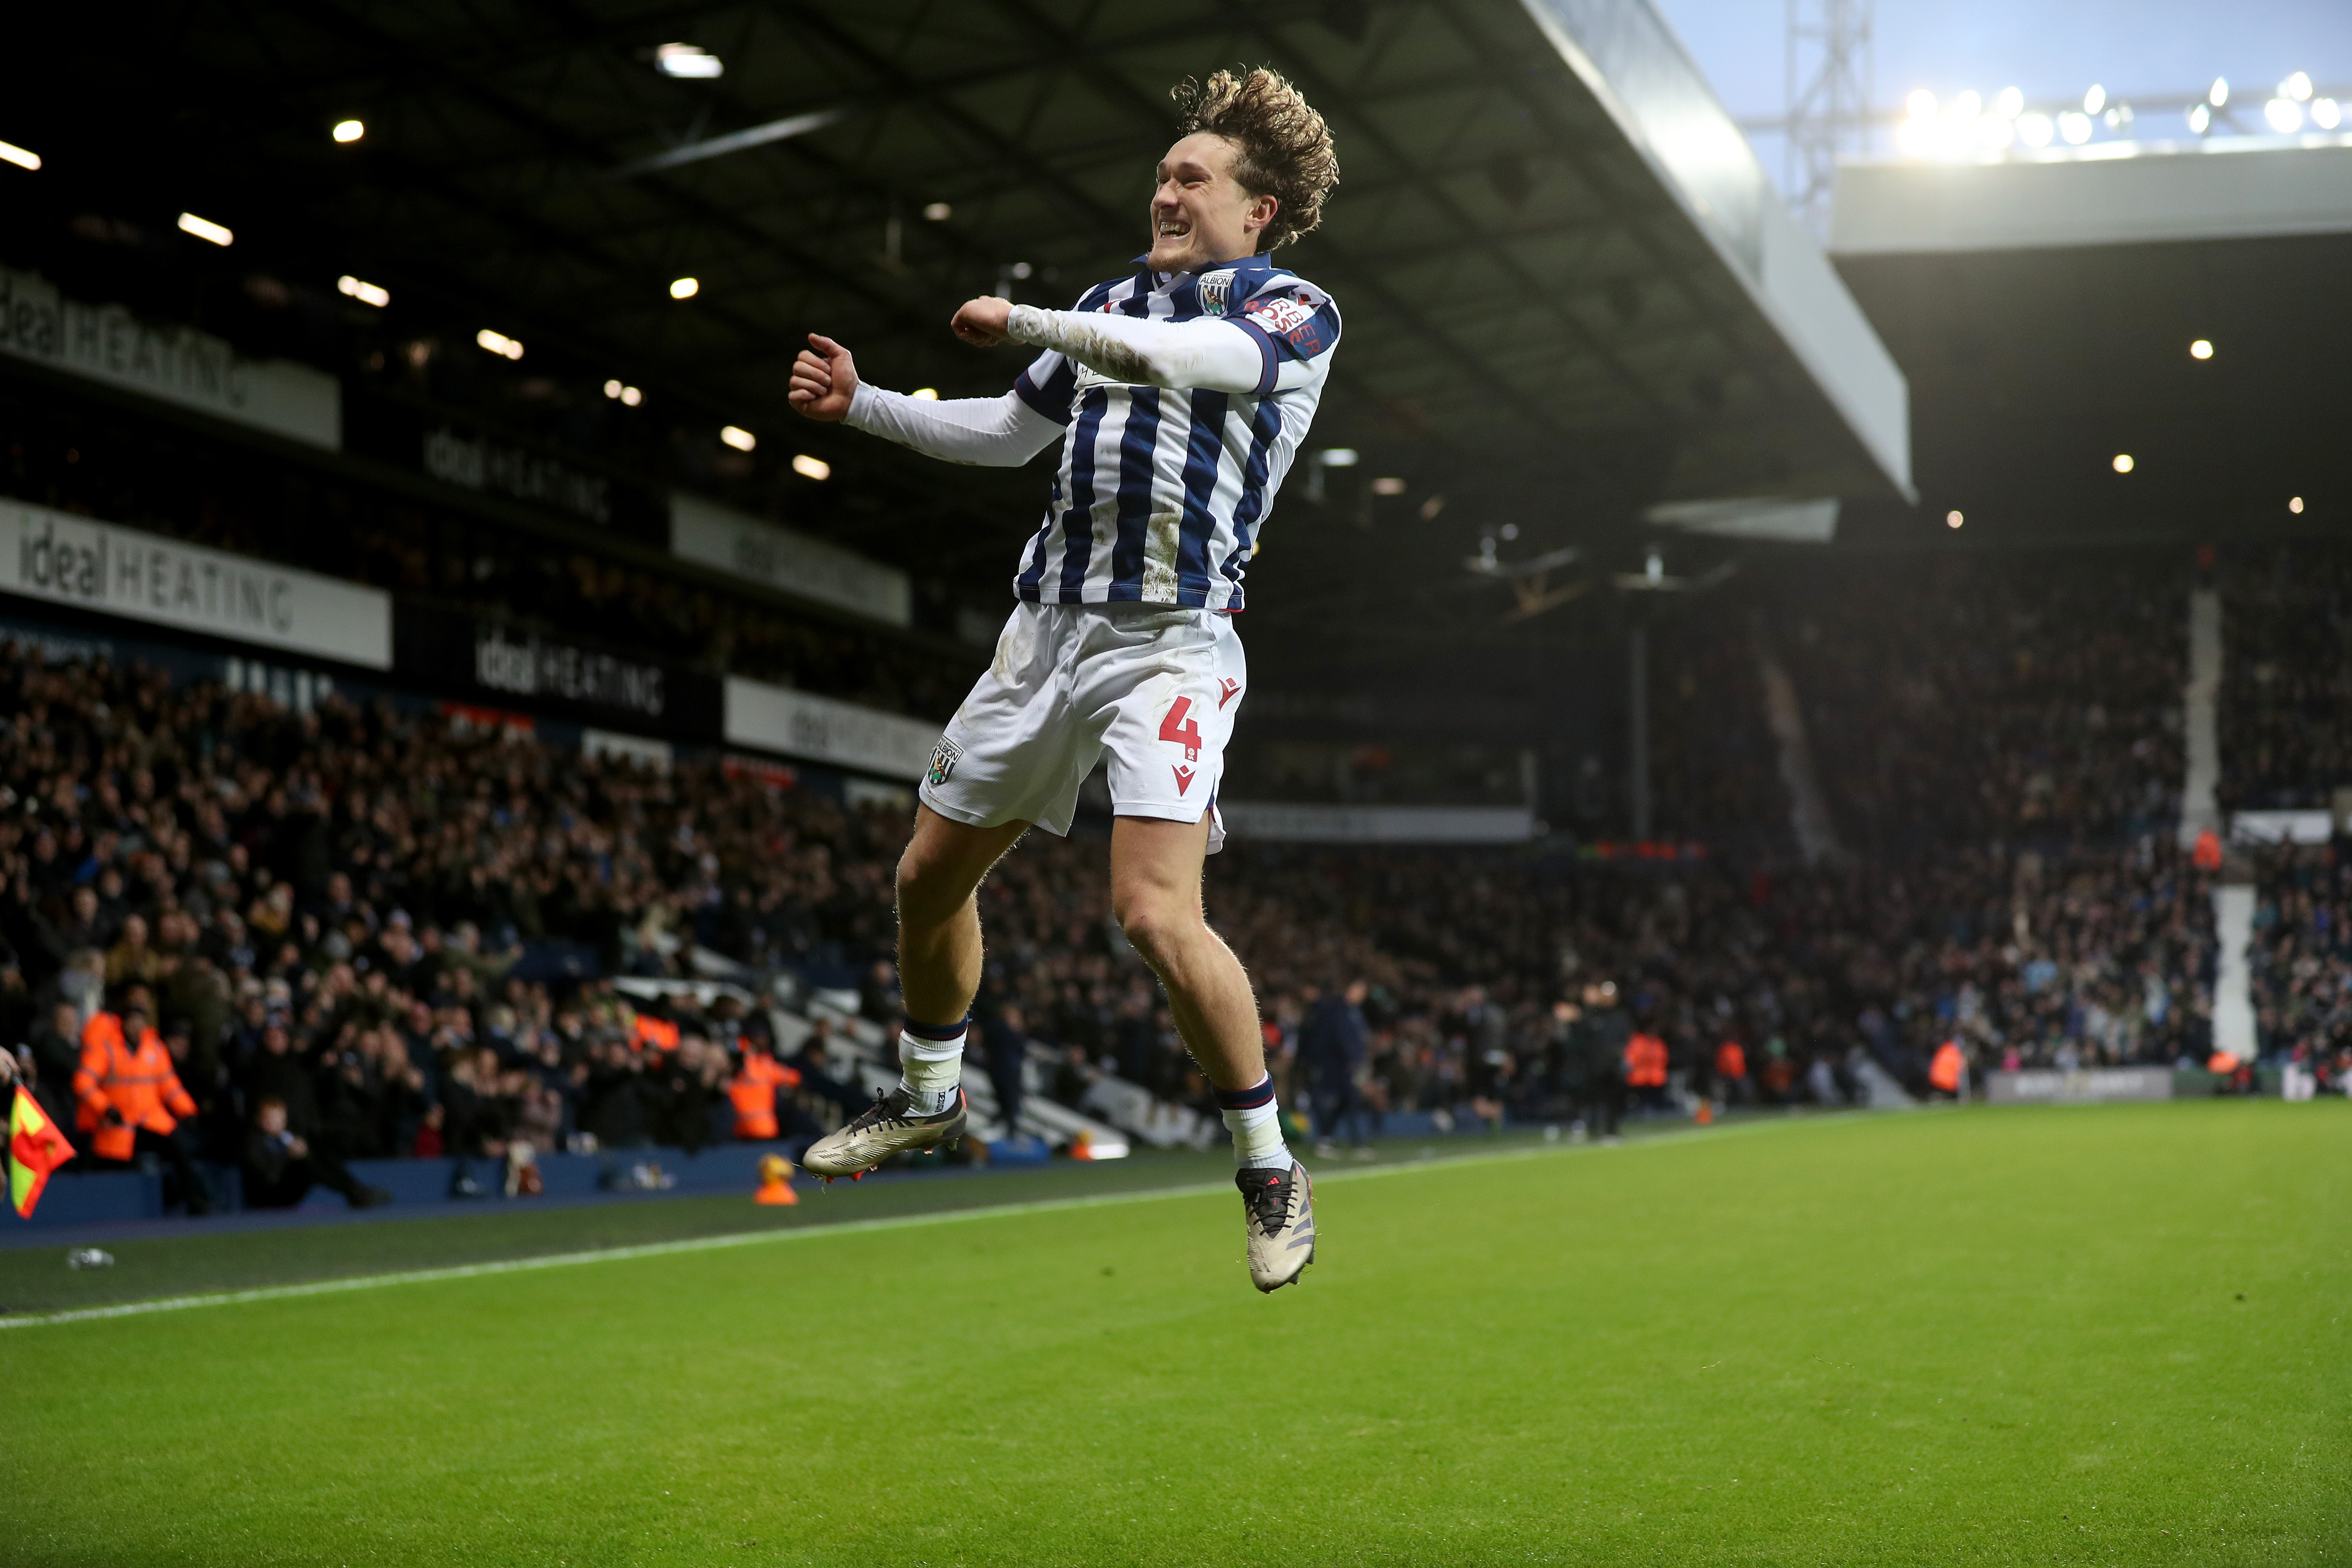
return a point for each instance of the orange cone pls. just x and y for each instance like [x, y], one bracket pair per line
[775, 1182]
[1705, 1117]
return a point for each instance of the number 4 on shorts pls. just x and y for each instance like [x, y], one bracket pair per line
[1178, 729]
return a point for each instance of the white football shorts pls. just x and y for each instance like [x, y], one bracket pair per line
[1156, 686]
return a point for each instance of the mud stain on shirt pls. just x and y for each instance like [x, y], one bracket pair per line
[1164, 537]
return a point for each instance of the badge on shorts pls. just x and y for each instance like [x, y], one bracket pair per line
[944, 757]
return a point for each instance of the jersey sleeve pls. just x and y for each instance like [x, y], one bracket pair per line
[1296, 326]
[1051, 379]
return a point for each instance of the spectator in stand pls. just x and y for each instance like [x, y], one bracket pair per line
[280, 1167]
[1334, 1047]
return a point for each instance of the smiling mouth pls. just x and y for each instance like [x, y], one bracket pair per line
[1171, 230]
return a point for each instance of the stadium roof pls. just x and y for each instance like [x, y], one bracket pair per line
[2046, 307]
[1570, 292]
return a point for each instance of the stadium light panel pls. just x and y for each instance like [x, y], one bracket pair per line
[1921, 104]
[365, 293]
[810, 467]
[2285, 114]
[742, 440]
[2296, 87]
[499, 344]
[685, 287]
[2009, 102]
[2200, 118]
[624, 393]
[2034, 130]
[688, 60]
[349, 129]
[2294, 505]
[2076, 127]
[2095, 100]
[2201, 348]
[2326, 113]
[1996, 133]
[925, 394]
[12, 153]
[1338, 457]
[206, 229]
[2219, 93]
[1953, 519]
[2124, 464]
[938, 212]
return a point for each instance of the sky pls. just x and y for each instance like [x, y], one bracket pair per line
[2048, 49]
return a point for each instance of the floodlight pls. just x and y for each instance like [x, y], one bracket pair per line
[1995, 132]
[2095, 100]
[735, 435]
[2219, 93]
[623, 393]
[690, 61]
[2124, 464]
[2008, 103]
[1388, 485]
[2201, 348]
[925, 394]
[2326, 113]
[12, 153]
[365, 293]
[1953, 519]
[348, 130]
[685, 287]
[2034, 130]
[2200, 118]
[205, 228]
[810, 467]
[2076, 127]
[2296, 87]
[1338, 457]
[499, 344]
[1921, 104]
[2285, 114]
[2294, 505]
[938, 212]
[1965, 108]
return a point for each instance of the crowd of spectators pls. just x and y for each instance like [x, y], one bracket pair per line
[373, 931]
[2286, 698]
[2301, 959]
[2031, 698]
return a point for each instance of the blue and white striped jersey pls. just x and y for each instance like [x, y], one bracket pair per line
[1161, 494]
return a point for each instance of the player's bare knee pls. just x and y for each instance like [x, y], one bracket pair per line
[928, 890]
[1162, 930]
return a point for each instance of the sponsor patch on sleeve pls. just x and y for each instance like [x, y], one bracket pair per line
[1280, 316]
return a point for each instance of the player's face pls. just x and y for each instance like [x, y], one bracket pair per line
[1199, 214]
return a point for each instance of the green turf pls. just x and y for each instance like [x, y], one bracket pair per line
[2100, 1336]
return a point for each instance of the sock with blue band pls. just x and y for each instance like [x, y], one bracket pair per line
[930, 1064]
[1255, 1122]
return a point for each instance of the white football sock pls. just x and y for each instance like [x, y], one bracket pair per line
[1257, 1134]
[928, 1068]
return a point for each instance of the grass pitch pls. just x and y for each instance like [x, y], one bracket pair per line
[2102, 1336]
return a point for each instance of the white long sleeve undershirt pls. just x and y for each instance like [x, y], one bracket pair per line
[1203, 354]
[989, 432]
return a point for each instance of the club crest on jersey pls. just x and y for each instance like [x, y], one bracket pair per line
[944, 758]
[1216, 287]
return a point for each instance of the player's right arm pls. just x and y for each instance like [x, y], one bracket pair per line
[993, 432]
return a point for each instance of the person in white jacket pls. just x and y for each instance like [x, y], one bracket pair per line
[1179, 395]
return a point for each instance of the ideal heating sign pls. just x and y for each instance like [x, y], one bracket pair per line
[64, 559]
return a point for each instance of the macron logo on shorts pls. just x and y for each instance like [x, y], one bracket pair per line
[1183, 778]
[1227, 689]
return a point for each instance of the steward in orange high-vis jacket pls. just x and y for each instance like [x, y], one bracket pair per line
[130, 1099]
[753, 1090]
[1946, 1070]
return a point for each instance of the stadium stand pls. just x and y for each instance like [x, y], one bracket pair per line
[2286, 731]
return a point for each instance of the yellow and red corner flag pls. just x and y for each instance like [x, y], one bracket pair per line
[36, 1148]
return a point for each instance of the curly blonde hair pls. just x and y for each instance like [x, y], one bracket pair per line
[1285, 147]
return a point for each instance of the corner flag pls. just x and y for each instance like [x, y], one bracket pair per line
[34, 1149]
